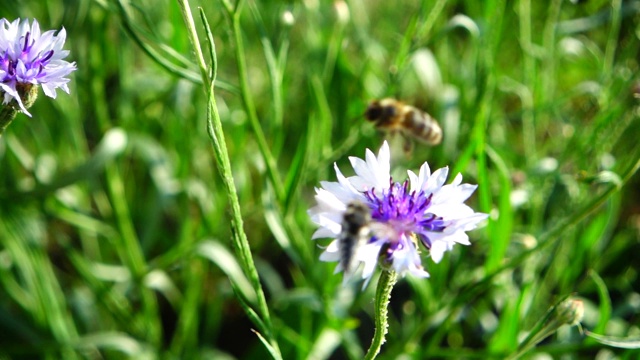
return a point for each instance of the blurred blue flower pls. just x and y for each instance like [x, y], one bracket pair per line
[29, 58]
[421, 209]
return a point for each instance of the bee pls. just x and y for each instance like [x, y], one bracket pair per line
[355, 231]
[393, 116]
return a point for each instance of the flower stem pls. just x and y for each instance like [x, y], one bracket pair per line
[214, 129]
[383, 294]
[7, 114]
[568, 311]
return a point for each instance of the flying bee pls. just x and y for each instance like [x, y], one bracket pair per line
[393, 116]
[355, 231]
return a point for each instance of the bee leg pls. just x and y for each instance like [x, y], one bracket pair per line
[407, 146]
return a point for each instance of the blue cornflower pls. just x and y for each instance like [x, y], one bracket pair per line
[29, 58]
[403, 215]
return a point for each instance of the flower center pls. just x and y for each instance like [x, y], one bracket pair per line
[407, 212]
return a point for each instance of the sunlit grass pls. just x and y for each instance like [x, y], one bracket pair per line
[116, 224]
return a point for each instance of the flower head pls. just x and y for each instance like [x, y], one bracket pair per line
[420, 210]
[29, 58]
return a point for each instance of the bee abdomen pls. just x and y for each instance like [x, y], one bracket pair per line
[423, 127]
[355, 228]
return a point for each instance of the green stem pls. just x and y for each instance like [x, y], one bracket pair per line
[383, 294]
[7, 114]
[567, 311]
[214, 129]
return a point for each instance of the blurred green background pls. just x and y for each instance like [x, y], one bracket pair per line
[115, 227]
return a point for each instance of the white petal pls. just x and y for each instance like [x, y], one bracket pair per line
[371, 159]
[454, 194]
[368, 254]
[362, 170]
[346, 184]
[416, 185]
[361, 184]
[384, 161]
[457, 180]
[437, 250]
[459, 237]
[419, 272]
[331, 253]
[435, 181]
[471, 222]
[328, 201]
[339, 193]
[323, 233]
[451, 211]
[329, 221]
[425, 172]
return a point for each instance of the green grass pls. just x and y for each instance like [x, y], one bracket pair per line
[117, 209]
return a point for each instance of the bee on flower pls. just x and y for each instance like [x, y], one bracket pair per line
[28, 58]
[402, 217]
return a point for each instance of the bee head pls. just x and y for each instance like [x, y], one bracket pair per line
[374, 111]
[381, 110]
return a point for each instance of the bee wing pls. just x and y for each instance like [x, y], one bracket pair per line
[350, 245]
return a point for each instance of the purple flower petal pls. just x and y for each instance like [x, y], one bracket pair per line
[28, 56]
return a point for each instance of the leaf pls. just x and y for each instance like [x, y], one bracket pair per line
[274, 354]
[605, 301]
[220, 256]
[325, 344]
[116, 341]
[617, 342]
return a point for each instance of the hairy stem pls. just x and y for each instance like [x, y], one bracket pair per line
[214, 129]
[383, 294]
